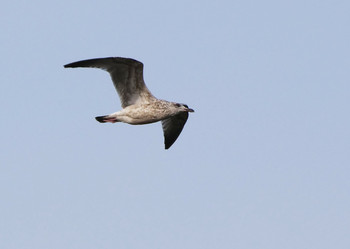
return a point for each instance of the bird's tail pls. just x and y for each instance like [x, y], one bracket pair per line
[106, 118]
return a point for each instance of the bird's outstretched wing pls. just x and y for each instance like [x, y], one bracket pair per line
[172, 128]
[127, 76]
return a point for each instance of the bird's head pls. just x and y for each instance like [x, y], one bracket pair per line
[183, 107]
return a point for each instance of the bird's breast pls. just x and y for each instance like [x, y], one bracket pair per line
[144, 114]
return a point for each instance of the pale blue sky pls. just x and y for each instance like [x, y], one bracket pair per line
[263, 163]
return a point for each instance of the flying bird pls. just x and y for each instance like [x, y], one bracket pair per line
[138, 103]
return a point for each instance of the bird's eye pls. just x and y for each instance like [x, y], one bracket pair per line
[177, 105]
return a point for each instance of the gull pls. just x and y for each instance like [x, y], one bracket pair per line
[138, 103]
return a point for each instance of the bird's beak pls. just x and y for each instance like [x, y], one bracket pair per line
[189, 110]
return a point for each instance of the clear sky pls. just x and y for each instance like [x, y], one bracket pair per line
[263, 163]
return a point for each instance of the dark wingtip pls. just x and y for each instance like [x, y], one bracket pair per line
[70, 65]
[168, 145]
[84, 63]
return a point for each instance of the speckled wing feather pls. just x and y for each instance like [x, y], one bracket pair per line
[172, 128]
[127, 76]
